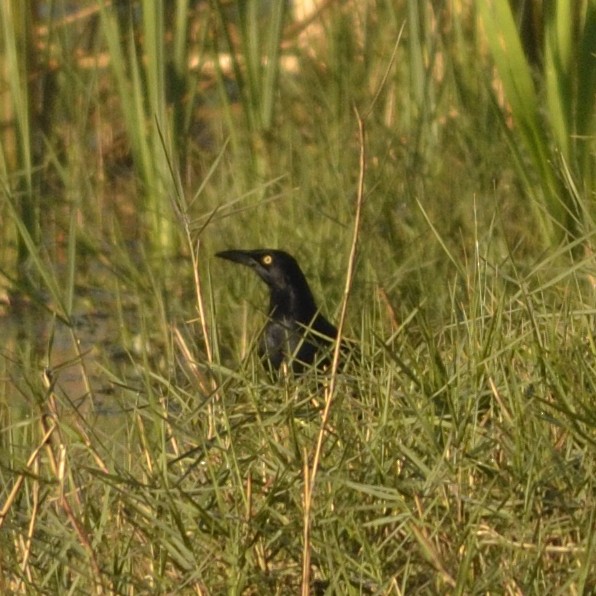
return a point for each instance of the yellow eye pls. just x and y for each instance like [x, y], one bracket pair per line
[267, 260]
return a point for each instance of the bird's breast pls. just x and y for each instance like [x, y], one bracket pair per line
[287, 340]
[279, 340]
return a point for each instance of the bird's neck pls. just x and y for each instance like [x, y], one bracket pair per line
[287, 302]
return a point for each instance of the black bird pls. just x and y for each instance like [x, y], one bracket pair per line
[296, 331]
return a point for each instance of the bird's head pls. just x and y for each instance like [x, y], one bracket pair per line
[276, 268]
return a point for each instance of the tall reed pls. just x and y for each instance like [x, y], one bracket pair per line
[553, 109]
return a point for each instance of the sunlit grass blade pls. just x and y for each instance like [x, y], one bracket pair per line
[515, 73]
[558, 130]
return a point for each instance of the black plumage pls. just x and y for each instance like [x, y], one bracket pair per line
[296, 332]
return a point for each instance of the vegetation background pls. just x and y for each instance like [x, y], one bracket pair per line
[143, 449]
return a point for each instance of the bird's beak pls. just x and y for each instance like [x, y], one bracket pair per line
[237, 256]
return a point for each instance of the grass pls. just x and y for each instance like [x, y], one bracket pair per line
[144, 450]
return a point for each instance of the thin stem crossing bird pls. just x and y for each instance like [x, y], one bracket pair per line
[296, 332]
